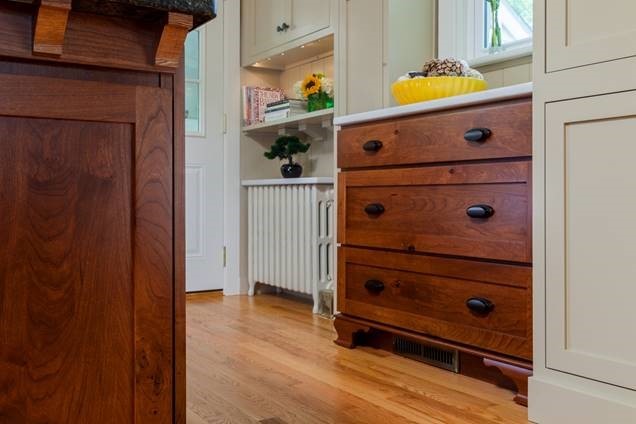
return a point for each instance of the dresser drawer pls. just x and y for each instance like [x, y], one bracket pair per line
[478, 303]
[440, 137]
[426, 210]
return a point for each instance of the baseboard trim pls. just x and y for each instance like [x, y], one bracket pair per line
[552, 403]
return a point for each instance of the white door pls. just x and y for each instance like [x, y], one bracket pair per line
[204, 156]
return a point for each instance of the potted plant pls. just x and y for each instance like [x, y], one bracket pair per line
[285, 147]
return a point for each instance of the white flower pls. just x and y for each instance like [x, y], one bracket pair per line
[298, 90]
[327, 86]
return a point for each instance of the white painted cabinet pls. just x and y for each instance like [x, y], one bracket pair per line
[264, 19]
[361, 56]
[591, 237]
[271, 27]
[308, 17]
[584, 212]
[378, 41]
[583, 32]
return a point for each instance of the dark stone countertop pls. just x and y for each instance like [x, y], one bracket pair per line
[201, 10]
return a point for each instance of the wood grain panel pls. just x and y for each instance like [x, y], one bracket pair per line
[153, 257]
[89, 40]
[173, 35]
[50, 27]
[439, 297]
[351, 139]
[179, 244]
[439, 137]
[87, 275]
[429, 215]
[63, 99]
[75, 72]
[428, 294]
[66, 289]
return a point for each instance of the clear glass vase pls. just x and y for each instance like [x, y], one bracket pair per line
[495, 27]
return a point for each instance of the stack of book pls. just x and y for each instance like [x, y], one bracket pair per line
[255, 100]
[284, 109]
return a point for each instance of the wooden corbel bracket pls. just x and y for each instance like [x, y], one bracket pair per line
[50, 27]
[172, 39]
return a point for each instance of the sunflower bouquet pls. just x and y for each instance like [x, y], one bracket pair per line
[317, 89]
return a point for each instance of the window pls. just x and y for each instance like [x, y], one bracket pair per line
[194, 83]
[466, 30]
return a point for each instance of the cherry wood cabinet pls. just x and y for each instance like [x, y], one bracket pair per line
[439, 137]
[435, 228]
[424, 210]
[91, 211]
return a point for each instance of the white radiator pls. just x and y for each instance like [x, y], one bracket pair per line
[290, 236]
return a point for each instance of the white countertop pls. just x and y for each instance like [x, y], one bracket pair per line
[486, 96]
[287, 181]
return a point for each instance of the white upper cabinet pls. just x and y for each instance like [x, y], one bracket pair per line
[271, 27]
[267, 19]
[584, 32]
[308, 17]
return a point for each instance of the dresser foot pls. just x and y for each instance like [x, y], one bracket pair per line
[518, 375]
[348, 331]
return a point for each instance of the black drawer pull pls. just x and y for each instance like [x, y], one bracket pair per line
[477, 134]
[282, 28]
[372, 146]
[374, 209]
[480, 211]
[374, 286]
[480, 305]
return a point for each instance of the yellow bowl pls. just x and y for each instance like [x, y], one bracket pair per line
[430, 88]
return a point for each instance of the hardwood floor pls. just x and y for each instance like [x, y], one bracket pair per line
[266, 359]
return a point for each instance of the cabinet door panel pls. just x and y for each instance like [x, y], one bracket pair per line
[591, 238]
[363, 56]
[262, 18]
[308, 16]
[583, 32]
[66, 271]
[86, 252]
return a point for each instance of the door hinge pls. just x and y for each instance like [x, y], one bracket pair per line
[224, 256]
[225, 123]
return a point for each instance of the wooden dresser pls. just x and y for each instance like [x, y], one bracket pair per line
[434, 227]
[92, 239]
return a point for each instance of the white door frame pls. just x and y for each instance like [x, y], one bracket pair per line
[234, 281]
[204, 169]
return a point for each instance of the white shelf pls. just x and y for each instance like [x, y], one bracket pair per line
[288, 181]
[314, 124]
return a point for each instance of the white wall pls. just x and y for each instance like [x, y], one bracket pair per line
[508, 73]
